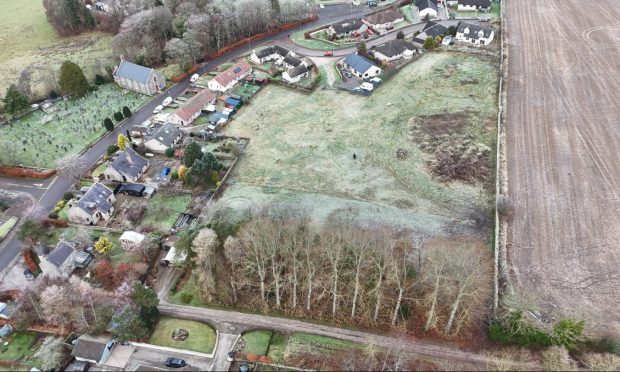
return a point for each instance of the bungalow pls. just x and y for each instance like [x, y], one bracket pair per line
[162, 138]
[192, 109]
[227, 79]
[431, 29]
[91, 349]
[426, 8]
[393, 50]
[127, 167]
[471, 5]
[347, 28]
[66, 258]
[381, 22]
[138, 78]
[96, 204]
[296, 74]
[360, 66]
[474, 34]
[272, 53]
[290, 62]
[131, 240]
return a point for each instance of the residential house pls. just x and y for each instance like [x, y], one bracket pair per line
[347, 28]
[360, 66]
[66, 258]
[474, 34]
[161, 138]
[139, 78]
[471, 5]
[186, 114]
[296, 74]
[96, 204]
[91, 349]
[131, 240]
[393, 50]
[127, 167]
[431, 29]
[227, 79]
[384, 21]
[426, 8]
[272, 53]
[290, 62]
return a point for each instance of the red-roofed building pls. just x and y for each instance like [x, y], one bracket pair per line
[230, 77]
[192, 109]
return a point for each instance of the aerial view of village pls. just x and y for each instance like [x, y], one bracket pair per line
[299, 185]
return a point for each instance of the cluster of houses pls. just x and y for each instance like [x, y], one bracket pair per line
[296, 68]
[430, 8]
[380, 23]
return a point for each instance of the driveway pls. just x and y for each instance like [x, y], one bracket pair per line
[146, 359]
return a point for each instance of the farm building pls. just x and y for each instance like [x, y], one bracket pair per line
[296, 74]
[426, 8]
[272, 53]
[138, 78]
[191, 110]
[95, 205]
[471, 5]
[394, 50]
[474, 34]
[347, 28]
[361, 66]
[162, 138]
[128, 166]
[384, 21]
[227, 79]
[431, 29]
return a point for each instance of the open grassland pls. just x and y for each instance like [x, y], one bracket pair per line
[302, 146]
[29, 41]
[201, 335]
[74, 124]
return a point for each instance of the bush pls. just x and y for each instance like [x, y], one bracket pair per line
[169, 152]
[608, 344]
[186, 298]
[53, 215]
[108, 124]
[174, 175]
[60, 204]
[118, 116]
[53, 94]
[126, 112]
[67, 196]
[99, 79]
[112, 149]
[513, 329]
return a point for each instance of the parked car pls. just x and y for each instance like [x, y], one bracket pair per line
[375, 81]
[372, 4]
[321, 6]
[194, 78]
[158, 109]
[131, 189]
[28, 274]
[175, 363]
[328, 53]
[167, 101]
[447, 40]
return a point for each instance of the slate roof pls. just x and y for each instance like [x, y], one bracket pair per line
[425, 4]
[477, 3]
[473, 30]
[233, 72]
[133, 72]
[383, 17]
[347, 26]
[88, 347]
[394, 48]
[276, 49]
[195, 104]
[299, 70]
[166, 134]
[95, 199]
[431, 29]
[358, 63]
[292, 61]
[61, 253]
[129, 162]
[132, 236]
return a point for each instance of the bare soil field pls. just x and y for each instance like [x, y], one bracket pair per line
[563, 143]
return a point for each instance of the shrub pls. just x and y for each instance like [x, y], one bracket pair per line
[60, 204]
[99, 79]
[400, 35]
[118, 116]
[108, 124]
[186, 298]
[126, 112]
[53, 94]
[169, 152]
[67, 196]
[175, 174]
[567, 333]
[513, 329]
[112, 149]
[53, 215]
[608, 344]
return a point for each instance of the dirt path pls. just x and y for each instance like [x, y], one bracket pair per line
[562, 146]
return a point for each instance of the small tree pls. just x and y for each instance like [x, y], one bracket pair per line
[169, 152]
[361, 48]
[400, 35]
[128, 325]
[118, 116]
[451, 31]
[14, 100]
[438, 40]
[72, 79]
[126, 112]
[182, 171]
[429, 43]
[108, 124]
[67, 196]
[112, 149]
[193, 152]
[122, 142]
[567, 333]
[103, 245]
[174, 175]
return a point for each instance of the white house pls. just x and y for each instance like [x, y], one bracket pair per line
[394, 50]
[272, 53]
[161, 138]
[426, 8]
[472, 5]
[360, 66]
[139, 78]
[95, 205]
[186, 114]
[91, 349]
[474, 34]
[131, 240]
[227, 79]
[127, 167]
[347, 28]
[384, 21]
[296, 74]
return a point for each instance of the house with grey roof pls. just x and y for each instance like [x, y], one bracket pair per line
[65, 258]
[95, 205]
[159, 139]
[271, 53]
[346, 28]
[393, 50]
[474, 34]
[127, 167]
[139, 78]
[474, 5]
[294, 75]
[426, 8]
[360, 66]
[91, 349]
[431, 29]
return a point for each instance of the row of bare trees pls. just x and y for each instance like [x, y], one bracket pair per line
[375, 276]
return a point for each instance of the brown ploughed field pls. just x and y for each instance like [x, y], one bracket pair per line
[563, 149]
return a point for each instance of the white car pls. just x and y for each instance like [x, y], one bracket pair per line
[321, 6]
[158, 109]
[167, 101]
[194, 78]
[447, 40]
[367, 87]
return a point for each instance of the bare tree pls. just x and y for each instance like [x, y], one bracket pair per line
[401, 274]
[332, 241]
[72, 166]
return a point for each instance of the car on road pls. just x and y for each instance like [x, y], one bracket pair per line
[194, 78]
[158, 109]
[175, 363]
[328, 53]
[167, 101]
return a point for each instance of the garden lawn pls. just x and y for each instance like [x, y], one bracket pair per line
[299, 39]
[493, 14]
[256, 342]
[18, 347]
[163, 209]
[201, 336]
[188, 295]
[75, 124]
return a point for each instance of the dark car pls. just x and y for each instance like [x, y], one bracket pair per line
[28, 274]
[131, 189]
[372, 4]
[175, 363]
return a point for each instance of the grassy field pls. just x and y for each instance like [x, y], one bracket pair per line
[73, 125]
[164, 209]
[299, 39]
[201, 336]
[256, 342]
[18, 347]
[29, 41]
[303, 153]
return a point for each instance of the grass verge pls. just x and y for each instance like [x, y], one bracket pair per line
[201, 336]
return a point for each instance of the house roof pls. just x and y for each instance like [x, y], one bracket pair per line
[425, 4]
[292, 61]
[132, 236]
[129, 162]
[89, 348]
[301, 69]
[195, 104]
[233, 72]
[61, 253]
[133, 72]
[477, 3]
[347, 25]
[383, 17]
[95, 199]
[431, 29]
[471, 30]
[165, 134]
[358, 63]
[394, 48]
[276, 49]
